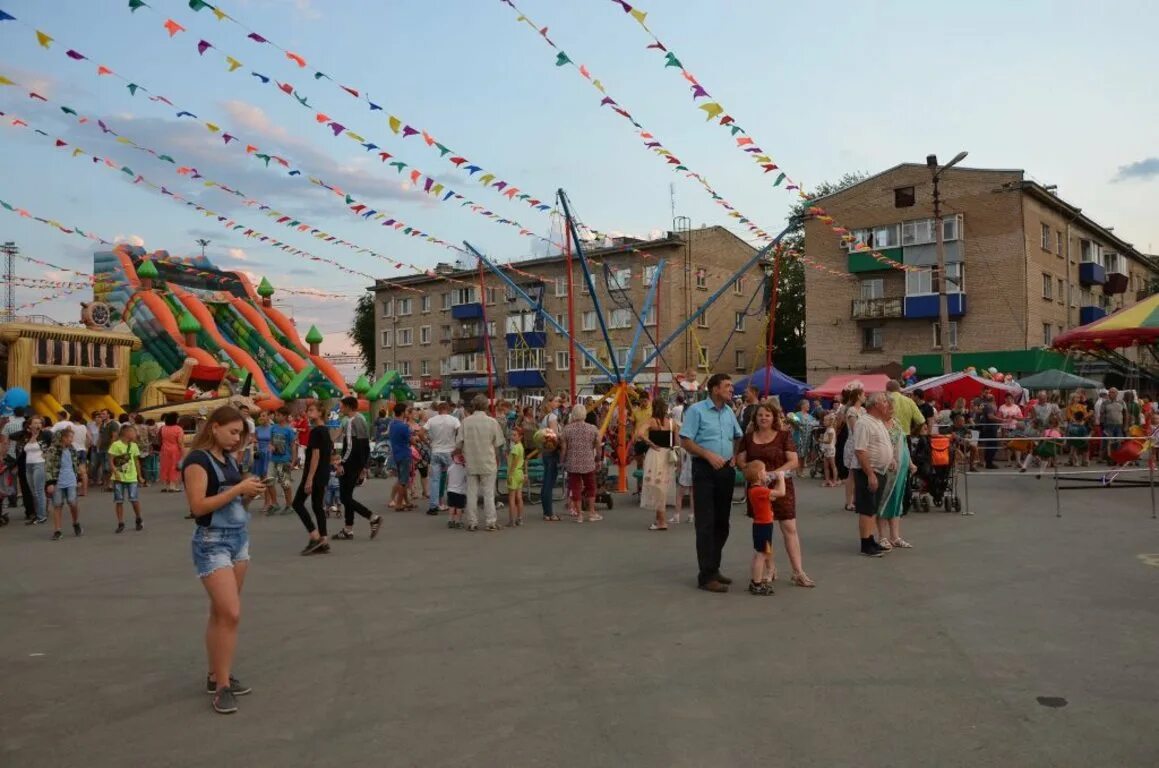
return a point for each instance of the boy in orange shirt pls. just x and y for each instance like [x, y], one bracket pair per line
[763, 488]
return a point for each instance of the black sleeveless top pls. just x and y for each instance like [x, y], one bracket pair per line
[662, 438]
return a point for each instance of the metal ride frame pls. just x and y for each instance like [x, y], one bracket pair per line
[621, 379]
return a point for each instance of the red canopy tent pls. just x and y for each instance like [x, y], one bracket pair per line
[870, 382]
[949, 387]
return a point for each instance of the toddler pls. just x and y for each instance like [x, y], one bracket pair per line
[829, 452]
[457, 489]
[332, 496]
[683, 486]
[1047, 448]
[125, 467]
[766, 486]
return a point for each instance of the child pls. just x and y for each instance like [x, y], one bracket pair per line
[683, 485]
[1077, 430]
[63, 473]
[7, 479]
[515, 479]
[125, 469]
[283, 450]
[829, 452]
[457, 489]
[333, 487]
[761, 496]
[966, 449]
[1047, 448]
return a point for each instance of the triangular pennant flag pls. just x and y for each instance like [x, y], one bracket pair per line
[233, 63]
[173, 27]
[670, 60]
[75, 55]
[395, 123]
[561, 59]
[44, 40]
[135, 4]
[256, 37]
[712, 109]
[198, 5]
[296, 59]
[133, 88]
[68, 111]
[220, 14]
[203, 46]
[780, 178]
[638, 15]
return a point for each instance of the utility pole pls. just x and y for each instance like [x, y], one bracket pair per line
[10, 251]
[943, 298]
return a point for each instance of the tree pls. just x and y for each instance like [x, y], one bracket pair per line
[789, 333]
[362, 331]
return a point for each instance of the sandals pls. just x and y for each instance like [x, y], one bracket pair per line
[595, 518]
[551, 518]
[801, 580]
[901, 543]
[654, 527]
[850, 508]
[375, 524]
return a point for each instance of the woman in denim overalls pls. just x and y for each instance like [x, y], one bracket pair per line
[217, 496]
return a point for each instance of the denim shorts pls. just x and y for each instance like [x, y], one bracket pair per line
[124, 492]
[404, 469]
[62, 496]
[215, 548]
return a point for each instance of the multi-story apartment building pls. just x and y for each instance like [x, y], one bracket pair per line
[1022, 266]
[437, 337]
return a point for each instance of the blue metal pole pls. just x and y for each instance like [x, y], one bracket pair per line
[649, 298]
[591, 283]
[756, 257]
[538, 307]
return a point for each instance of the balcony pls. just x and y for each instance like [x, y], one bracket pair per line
[1092, 273]
[529, 339]
[526, 379]
[875, 309]
[473, 311]
[926, 305]
[862, 261]
[1116, 283]
[467, 345]
[1089, 314]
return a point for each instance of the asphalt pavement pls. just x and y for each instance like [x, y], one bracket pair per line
[1014, 637]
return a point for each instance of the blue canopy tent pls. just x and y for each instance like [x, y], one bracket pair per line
[770, 381]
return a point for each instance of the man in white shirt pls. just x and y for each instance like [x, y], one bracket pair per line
[480, 436]
[874, 451]
[442, 432]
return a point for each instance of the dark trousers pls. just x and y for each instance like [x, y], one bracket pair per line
[315, 493]
[989, 437]
[26, 496]
[712, 504]
[346, 484]
[550, 475]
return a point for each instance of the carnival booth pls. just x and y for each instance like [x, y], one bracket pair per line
[949, 387]
[833, 386]
[1053, 378]
[769, 381]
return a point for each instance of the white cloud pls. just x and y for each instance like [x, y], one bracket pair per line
[136, 240]
[238, 254]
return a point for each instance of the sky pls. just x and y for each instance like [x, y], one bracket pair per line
[1044, 85]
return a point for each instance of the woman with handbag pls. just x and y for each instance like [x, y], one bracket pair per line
[659, 463]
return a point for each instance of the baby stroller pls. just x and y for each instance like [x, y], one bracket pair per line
[813, 458]
[379, 459]
[603, 492]
[935, 480]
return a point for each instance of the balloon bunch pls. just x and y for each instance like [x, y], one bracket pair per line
[910, 376]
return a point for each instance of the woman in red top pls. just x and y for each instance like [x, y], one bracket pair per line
[302, 426]
[172, 440]
[768, 440]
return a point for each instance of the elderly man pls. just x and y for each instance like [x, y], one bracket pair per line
[709, 433]
[480, 436]
[442, 431]
[1114, 414]
[905, 410]
[874, 451]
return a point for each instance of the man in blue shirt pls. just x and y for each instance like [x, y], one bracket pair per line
[709, 433]
[398, 435]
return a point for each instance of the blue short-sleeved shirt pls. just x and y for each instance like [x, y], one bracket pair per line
[399, 436]
[711, 428]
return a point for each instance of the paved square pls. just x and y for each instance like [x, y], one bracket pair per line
[568, 645]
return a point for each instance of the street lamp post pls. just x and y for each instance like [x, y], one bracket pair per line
[943, 299]
[202, 242]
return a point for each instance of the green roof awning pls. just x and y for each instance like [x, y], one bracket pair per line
[1017, 362]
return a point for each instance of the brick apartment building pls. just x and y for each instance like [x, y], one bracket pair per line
[435, 339]
[1022, 264]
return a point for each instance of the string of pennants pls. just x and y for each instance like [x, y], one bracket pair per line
[744, 141]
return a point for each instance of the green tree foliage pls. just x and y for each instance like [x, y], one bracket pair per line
[789, 334]
[362, 331]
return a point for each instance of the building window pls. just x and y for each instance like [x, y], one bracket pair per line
[1090, 251]
[425, 334]
[649, 351]
[740, 361]
[406, 337]
[491, 328]
[702, 361]
[388, 307]
[649, 317]
[877, 237]
[561, 286]
[1058, 242]
[589, 320]
[620, 318]
[873, 289]
[424, 367]
[1047, 286]
[386, 338]
[446, 333]
[562, 360]
[561, 321]
[587, 364]
[922, 232]
[425, 304]
[871, 339]
[619, 279]
[953, 335]
[464, 296]
[903, 197]
[701, 279]
[444, 367]
[702, 321]
[405, 307]
[1046, 237]
[921, 282]
[1061, 291]
[404, 368]
[622, 358]
[491, 295]
[525, 359]
[738, 322]
[446, 301]
[738, 287]
[649, 275]
[1047, 334]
